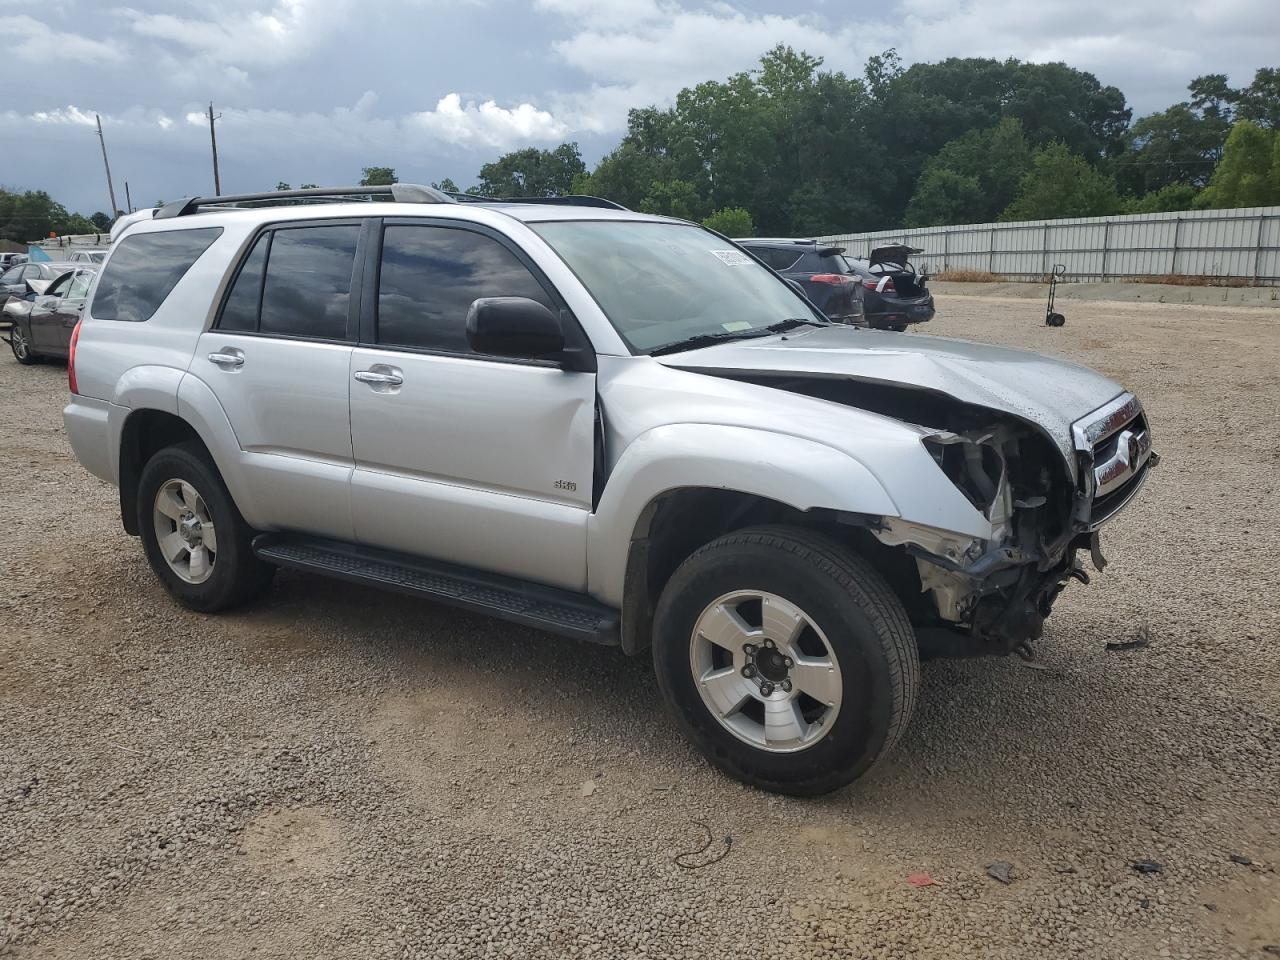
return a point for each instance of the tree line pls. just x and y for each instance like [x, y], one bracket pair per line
[791, 148]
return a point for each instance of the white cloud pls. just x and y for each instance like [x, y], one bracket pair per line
[33, 41]
[68, 114]
[487, 124]
[245, 37]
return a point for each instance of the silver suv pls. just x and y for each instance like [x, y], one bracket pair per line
[618, 427]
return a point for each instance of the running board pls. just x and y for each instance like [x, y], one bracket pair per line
[534, 605]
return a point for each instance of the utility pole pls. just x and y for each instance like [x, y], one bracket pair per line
[128, 200]
[213, 140]
[110, 187]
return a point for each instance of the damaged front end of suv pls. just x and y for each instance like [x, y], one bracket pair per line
[992, 595]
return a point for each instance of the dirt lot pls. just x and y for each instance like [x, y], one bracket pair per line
[336, 773]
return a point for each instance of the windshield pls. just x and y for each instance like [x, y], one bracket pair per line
[663, 283]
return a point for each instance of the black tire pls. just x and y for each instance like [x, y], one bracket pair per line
[237, 576]
[897, 327]
[20, 344]
[866, 628]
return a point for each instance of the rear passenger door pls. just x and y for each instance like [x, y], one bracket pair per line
[278, 359]
[44, 319]
[477, 460]
[68, 310]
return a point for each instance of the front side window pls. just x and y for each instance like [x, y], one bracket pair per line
[307, 288]
[663, 283]
[58, 287]
[429, 278]
[145, 268]
[80, 285]
[12, 275]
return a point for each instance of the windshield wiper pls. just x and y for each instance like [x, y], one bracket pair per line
[782, 326]
[708, 339]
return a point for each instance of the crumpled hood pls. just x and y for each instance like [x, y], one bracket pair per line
[1048, 392]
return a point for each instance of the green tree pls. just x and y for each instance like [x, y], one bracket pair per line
[447, 185]
[1175, 196]
[101, 221]
[945, 196]
[1062, 184]
[532, 172]
[1260, 101]
[672, 198]
[281, 185]
[731, 221]
[378, 177]
[1248, 174]
[32, 215]
[972, 178]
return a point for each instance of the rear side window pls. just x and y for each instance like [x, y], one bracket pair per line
[429, 278]
[80, 285]
[307, 291]
[295, 282]
[240, 312]
[144, 269]
[778, 259]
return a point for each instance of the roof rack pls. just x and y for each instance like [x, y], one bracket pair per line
[396, 192]
[570, 200]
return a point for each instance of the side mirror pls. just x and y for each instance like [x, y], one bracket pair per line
[514, 327]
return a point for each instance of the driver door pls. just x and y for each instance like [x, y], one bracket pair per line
[44, 320]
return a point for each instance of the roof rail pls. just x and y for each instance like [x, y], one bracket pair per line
[396, 192]
[570, 200]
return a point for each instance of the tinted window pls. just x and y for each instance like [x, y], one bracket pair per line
[431, 275]
[144, 269]
[240, 311]
[12, 275]
[778, 259]
[308, 285]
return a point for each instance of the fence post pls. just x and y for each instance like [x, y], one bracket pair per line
[1106, 240]
[991, 251]
[1173, 262]
[946, 249]
[1044, 259]
[1257, 253]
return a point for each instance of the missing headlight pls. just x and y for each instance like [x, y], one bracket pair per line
[975, 467]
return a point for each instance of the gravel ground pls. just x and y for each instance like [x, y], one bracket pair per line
[335, 773]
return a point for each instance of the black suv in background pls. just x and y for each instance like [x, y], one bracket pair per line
[821, 270]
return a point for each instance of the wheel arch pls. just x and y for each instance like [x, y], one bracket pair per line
[680, 486]
[145, 432]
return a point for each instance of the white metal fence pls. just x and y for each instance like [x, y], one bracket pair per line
[1243, 245]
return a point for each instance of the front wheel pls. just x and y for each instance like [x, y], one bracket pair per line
[786, 658]
[20, 344]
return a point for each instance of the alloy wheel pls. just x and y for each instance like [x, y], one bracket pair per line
[185, 531]
[765, 671]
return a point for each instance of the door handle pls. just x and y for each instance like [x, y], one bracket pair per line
[379, 378]
[226, 359]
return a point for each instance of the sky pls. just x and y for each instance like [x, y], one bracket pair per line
[314, 90]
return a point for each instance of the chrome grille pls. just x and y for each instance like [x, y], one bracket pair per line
[1115, 447]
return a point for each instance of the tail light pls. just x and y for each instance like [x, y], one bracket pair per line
[835, 279]
[876, 285]
[71, 359]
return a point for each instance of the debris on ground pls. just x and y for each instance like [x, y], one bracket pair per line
[921, 879]
[1140, 640]
[1241, 859]
[588, 787]
[1000, 870]
[1148, 866]
[681, 859]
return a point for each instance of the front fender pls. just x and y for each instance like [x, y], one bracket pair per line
[801, 473]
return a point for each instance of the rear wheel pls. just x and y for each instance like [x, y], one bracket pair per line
[897, 327]
[197, 542]
[20, 344]
[786, 658]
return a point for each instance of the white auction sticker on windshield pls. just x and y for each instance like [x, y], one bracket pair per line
[732, 258]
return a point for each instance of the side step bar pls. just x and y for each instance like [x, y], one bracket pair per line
[544, 608]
